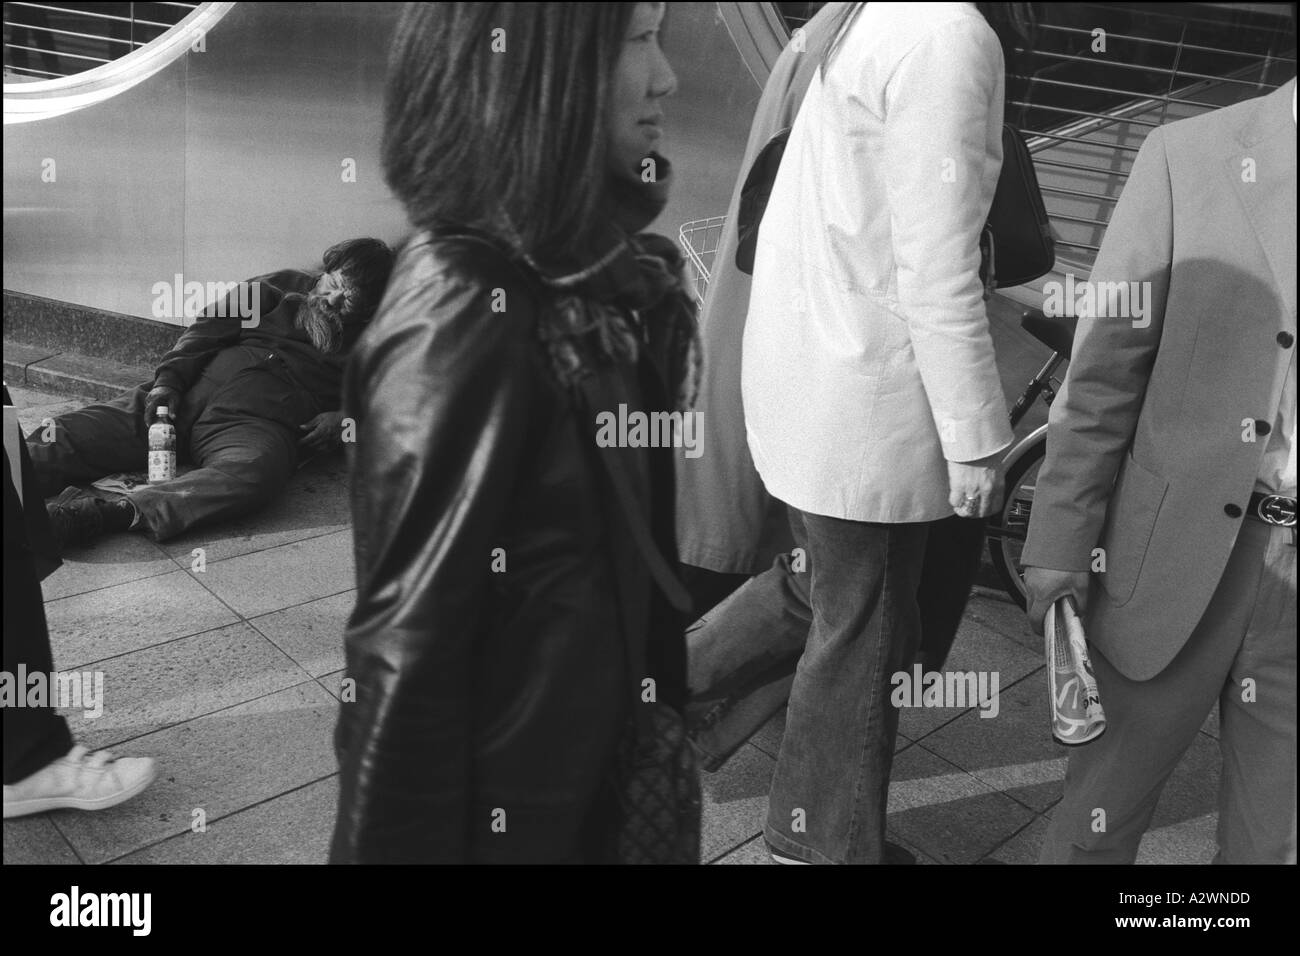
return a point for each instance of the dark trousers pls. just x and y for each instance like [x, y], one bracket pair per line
[829, 792]
[238, 425]
[744, 651]
[1242, 657]
[33, 736]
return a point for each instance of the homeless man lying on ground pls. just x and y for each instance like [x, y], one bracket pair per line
[248, 396]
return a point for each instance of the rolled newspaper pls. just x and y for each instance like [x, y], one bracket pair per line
[1077, 717]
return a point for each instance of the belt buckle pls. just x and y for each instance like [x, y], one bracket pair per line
[1278, 510]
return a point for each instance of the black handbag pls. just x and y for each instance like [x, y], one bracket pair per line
[655, 792]
[652, 789]
[1016, 246]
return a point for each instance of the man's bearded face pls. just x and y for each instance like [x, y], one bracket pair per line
[321, 314]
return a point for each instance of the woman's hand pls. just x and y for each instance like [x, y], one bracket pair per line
[975, 487]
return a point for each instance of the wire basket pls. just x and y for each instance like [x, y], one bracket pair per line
[699, 240]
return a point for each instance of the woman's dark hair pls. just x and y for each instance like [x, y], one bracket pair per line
[1015, 24]
[494, 118]
[365, 265]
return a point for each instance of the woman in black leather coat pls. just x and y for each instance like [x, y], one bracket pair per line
[514, 595]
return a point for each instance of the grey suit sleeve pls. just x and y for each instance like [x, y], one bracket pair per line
[1094, 417]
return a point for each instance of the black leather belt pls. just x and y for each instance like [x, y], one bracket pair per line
[1278, 510]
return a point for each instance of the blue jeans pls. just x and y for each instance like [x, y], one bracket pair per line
[851, 617]
[743, 651]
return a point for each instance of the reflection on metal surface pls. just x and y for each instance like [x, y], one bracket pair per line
[254, 155]
[759, 34]
[25, 102]
[260, 152]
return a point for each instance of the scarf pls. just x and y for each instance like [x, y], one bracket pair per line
[628, 300]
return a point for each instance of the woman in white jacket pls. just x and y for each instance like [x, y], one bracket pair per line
[872, 401]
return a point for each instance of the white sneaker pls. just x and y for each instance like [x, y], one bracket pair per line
[80, 781]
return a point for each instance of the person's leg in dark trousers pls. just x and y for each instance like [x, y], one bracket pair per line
[743, 652]
[831, 785]
[1257, 722]
[33, 736]
[1113, 784]
[244, 463]
[84, 445]
[952, 559]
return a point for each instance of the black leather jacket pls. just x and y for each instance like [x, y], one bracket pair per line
[491, 685]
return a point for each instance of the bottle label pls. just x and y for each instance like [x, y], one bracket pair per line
[162, 466]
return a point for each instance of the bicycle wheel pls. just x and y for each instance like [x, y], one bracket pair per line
[1008, 528]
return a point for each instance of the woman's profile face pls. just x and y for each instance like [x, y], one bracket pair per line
[641, 78]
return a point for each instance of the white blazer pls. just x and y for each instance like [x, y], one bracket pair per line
[867, 360]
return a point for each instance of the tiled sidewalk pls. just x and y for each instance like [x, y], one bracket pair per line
[228, 677]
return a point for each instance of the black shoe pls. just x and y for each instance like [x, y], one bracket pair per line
[78, 518]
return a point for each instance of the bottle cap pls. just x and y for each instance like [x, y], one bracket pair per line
[162, 411]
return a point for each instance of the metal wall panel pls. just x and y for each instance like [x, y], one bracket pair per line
[226, 164]
[229, 162]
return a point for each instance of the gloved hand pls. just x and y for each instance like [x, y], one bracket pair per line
[161, 395]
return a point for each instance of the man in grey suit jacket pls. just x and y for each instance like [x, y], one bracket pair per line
[1170, 484]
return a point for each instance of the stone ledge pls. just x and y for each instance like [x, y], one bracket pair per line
[63, 327]
[70, 373]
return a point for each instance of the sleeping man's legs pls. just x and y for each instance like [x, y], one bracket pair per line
[245, 451]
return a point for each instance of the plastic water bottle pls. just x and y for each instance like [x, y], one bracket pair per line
[162, 448]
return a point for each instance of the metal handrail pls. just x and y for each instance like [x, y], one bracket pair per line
[112, 47]
[75, 56]
[72, 33]
[1171, 43]
[98, 16]
[1142, 112]
[1172, 73]
[1074, 112]
[1159, 97]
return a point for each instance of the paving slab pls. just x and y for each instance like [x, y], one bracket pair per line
[981, 649]
[1188, 842]
[332, 682]
[311, 633]
[945, 812]
[998, 613]
[293, 828]
[284, 576]
[35, 841]
[1013, 752]
[1022, 849]
[127, 617]
[735, 802]
[155, 687]
[114, 559]
[220, 763]
[753, 852]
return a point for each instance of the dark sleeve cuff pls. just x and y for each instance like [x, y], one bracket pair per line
[169, 379]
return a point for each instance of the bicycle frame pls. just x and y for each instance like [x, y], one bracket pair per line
[1040, 384]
